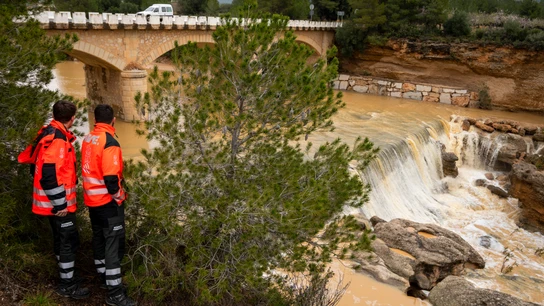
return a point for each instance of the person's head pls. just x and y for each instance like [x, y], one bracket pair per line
[64, 112]
[103, 113]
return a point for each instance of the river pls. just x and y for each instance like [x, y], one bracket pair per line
[406, 182]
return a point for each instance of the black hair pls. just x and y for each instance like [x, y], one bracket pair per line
[103, 113]
[63, 111]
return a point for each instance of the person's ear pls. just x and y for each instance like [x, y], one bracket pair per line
[113, 121]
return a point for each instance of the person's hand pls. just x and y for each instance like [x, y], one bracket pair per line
[62, 213]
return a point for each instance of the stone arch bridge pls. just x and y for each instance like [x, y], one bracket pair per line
[116, 48]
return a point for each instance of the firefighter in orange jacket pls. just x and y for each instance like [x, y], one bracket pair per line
[53, 161]
[102, 171]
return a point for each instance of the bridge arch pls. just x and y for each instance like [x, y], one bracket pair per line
[94, 55]
[310, 42]
[161, 49]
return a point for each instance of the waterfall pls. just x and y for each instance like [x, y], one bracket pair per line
[407, 182]
[405, 176]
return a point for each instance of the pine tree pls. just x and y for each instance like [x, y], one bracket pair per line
[226, 209]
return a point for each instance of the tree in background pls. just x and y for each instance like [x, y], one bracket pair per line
[27, 57]
[370, 14]
[77, 5]
[225, 211]
[212, 8]
[458, 25]
[530, 8]
[327, 9]
[193, 7]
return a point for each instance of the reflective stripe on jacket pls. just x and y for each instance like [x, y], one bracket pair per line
[55, 170]
[102, 167]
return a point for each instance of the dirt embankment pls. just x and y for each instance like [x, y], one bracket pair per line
[515, 77]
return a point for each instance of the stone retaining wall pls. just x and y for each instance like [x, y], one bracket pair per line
[422, 92]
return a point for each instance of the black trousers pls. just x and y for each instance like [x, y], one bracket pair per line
[65, 244]
[108, 225]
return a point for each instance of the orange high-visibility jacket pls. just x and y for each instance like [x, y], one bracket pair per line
[55, 180]
[102, 167]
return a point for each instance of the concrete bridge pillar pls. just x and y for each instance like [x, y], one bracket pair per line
[116, 88]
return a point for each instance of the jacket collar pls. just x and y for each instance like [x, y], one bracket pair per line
[60, 126]
[104, 127]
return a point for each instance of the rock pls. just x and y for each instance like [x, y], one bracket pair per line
[512, 147]
[539, 137]
[498, 191]
[489, 176]
[528, 186]
[501, 127]
[472, 121]
[408, 87]
[485, 241]
[449, 166]
[343, 77]
[375, 267]
[479, 182]
[460, 101]
[530, 129]
[482, 126]
[466, 125]
[456, 291]
[360, 89]
[412, 95]
[430, 259]
[445, 98]
[419, 280]
[375, 220]
[397, 263]
[514, 131]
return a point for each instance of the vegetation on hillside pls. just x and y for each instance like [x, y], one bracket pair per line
[499, 22]
[226, 210]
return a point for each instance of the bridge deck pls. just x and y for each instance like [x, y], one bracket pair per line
[107, 21]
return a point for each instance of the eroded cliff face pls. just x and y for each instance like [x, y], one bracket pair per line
[515, 77]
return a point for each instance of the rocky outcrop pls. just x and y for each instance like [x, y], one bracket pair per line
[456, 291]
[514, 77]
[527, 184]
[424, 254]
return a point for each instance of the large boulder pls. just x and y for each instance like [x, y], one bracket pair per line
[424, 253]
[512, 147]
[456, 291]
[527, 184]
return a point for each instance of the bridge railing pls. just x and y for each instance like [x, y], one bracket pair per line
[82, 20]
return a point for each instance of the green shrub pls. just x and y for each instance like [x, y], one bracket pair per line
[513, 31]
[484, 98]
[350, 38]
[458, 25]
[535, 39]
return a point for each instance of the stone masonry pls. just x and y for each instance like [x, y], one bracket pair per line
[398, 89]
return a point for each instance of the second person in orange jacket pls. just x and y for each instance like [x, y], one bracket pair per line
[102, 171]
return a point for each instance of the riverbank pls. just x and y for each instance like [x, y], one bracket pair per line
[513, 77]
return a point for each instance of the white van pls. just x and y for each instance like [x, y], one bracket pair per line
[158, 10]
